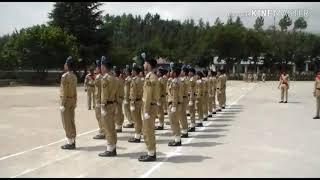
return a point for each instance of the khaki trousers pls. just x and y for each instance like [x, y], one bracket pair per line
[136, 116]
[119, 114]
[182, 116]
[192, 112]
[127, 113]
[108, 124]
[161, 109]
[68, 122]
[148, 129]
[90, 97]
[284, 92]
[318, 105]
[199, 105]
[174, 121]
[205, 103]
[98, 117]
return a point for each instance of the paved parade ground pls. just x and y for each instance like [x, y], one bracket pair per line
[254, 137]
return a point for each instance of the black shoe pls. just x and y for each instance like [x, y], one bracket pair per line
[316, 117]
[69, 146]
[89, 108]
[223, 107]
[210, 116]
[280, 101]
[184, 135]
[165, 114]
[108, 153]
[188, 114]
[129, 126]
[218, 110]
[205, 119]
[93, 107]
[214, 113]
[99, 136]
[199, 125]
[134, 140]
[192, 129]
[119, 130]
[159, 128]
[285, 102]
[173, 143]
[147, 158]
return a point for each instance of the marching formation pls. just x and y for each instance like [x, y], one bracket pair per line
[142, 95]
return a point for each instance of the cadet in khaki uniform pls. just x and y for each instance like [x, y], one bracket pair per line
[150, 98]
[205, 94]
[163, 102]
[199, 98]
[135, 96]
[316, 94]
[192, 99]
[284, 86]
[97, 96]
[224, 88]
[89, 88]
[120, 95]
[255, 77]
[109, 95]
[184, 89]
[68, 103]
[221, 89]
[175, 99]
[126, 105]
[218, 90]
[210, 99]
[250, 77]
[213, 90]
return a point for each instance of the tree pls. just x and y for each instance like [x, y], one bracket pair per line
[238, 22]
[39, 48]
[300, 23]
[259, 23]
[285, 22]
[218, 22]
[82, 20]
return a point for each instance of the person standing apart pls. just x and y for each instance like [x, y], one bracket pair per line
[68, 103]
[89, 88]
[316, 94]
[284, 86]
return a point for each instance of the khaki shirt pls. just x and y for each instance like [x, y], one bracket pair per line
[151, 93]
[120, 92]
[184, 87]
[109, 88]
[199, 89]
[136, 89]
[68, 89]
[127, 88]
[88, 82]
[192, 88]
[173, 91]
[213, 85]
[97, 87]
[163, 87]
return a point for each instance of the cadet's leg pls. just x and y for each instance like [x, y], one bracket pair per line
[200, 110]
[183, 116]
[93, 99]
[136, 117]
[282, 93]
[119, 116]
[174, 122]
[108, 123]
[224, 98]
[89, 98]
[127, 113]
[210, 105]
[286, 93]
[214, 102]
[98, 117]
[318, 106]
[148, 131]
[192, 115]
[161, 112]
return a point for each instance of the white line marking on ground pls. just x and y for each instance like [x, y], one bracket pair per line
[178, 149]
[39, 147]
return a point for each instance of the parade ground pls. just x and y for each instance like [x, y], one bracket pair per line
[254, 137]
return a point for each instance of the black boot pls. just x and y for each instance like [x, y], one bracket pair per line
[69, 146]
[199, 124]
[147, 158]
[119, 130]
[192, 129]
[188, 114]
[280, 101]
[223, 107]
[205, 119]
[129, 126]
[210, 115]
[218, 110]
[174, 143]
[214, 113]
[108, 153]
[134, 140]
[316, 117]
[285, 102]
[99, 136]
[184, 135]
[159, 128]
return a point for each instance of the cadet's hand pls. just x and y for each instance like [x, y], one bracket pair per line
[125, 102]
[173, 109]
[146, 116]
[190, 103]
[159, 104]
[62, 108]
[132, 108]
[103, 112]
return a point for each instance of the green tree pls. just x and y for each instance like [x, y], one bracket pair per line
[285, 22]
[300, 24]
[259, 23]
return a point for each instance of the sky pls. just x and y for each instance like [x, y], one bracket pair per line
[17, 15]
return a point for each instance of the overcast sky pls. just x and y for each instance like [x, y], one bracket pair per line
[16, 15]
